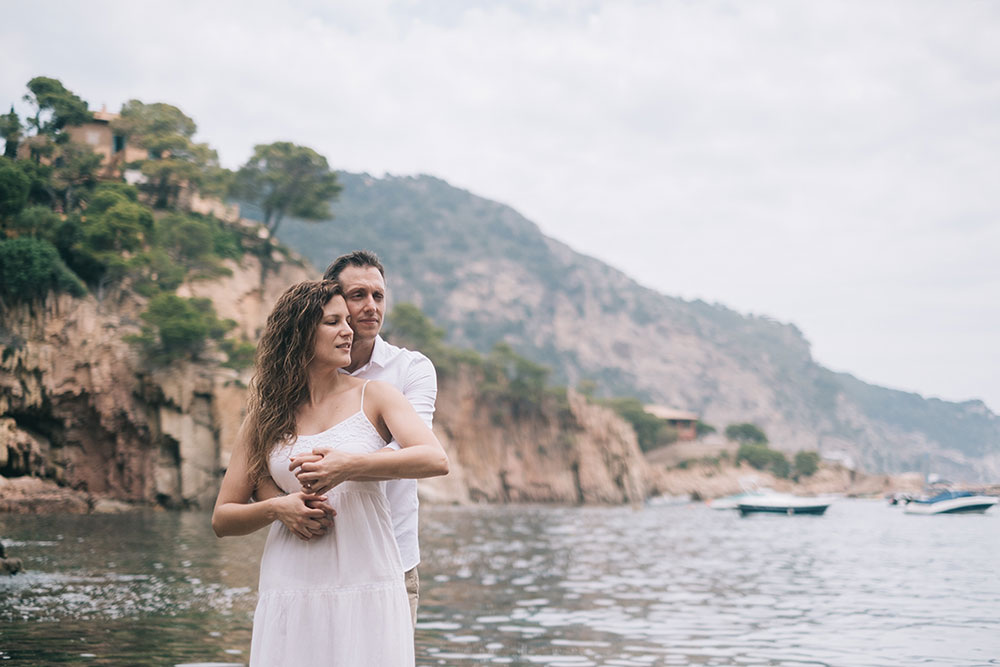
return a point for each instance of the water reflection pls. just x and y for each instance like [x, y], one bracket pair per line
[684, 585]
[675, 585]
[144, 588]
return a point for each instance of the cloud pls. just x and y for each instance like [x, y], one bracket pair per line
[830, 164]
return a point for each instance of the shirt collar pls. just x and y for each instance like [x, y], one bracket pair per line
[380, 353]
[381, 356]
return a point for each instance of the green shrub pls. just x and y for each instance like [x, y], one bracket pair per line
[40, 189]
[409, 322]
[806, 463]
[107, 242]
[746, 433]
[703, 429]
[14, 189]
[124, 226]
[29, 268]
[38, 222]
[115, 188]
[650, 430]
[177, 328]
[104, 198]
[239, 352]
[762, 457]
[408, 325]
[159, 273]
[780, 466]
[524, 378]
[188, 240]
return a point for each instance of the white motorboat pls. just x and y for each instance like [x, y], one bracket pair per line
[782, 503]
[733, 502]
[750, 490]
[951, 502]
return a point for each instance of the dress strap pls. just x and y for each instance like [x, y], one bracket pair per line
[363, 387]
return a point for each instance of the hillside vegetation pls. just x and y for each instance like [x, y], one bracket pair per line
[486, 275]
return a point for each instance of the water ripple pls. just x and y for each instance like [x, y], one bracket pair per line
[673, 585]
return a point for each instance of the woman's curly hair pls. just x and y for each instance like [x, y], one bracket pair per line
[280, 383]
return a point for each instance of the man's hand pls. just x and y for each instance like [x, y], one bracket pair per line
[323, 469]
[306, 515]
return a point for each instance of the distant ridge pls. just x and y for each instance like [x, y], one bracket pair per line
[485, 273]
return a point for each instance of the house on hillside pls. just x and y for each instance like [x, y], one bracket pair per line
[116, 152]
[686, 423]
[114, 149]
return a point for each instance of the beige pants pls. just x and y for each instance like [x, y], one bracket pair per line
[412, 580]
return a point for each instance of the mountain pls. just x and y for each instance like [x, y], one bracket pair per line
[486, 274]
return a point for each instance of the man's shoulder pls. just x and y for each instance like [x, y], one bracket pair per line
[401, 355]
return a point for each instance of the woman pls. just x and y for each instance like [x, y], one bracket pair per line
[338, 598]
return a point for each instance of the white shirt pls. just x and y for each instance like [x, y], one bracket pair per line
[413, 374]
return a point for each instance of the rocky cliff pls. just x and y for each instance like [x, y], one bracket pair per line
[80, 408]
[78, 405]
[560, 449]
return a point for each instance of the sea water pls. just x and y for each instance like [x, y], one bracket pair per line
[863, 585]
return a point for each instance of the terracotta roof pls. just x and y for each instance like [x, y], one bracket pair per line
[663, 412]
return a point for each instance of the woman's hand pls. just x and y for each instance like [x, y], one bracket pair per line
[306, 515]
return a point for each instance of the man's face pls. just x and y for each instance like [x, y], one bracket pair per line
[364, 290]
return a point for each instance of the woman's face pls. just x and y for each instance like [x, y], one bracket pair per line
[334, 335]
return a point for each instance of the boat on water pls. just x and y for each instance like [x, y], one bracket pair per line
[782, 503]
[750, 490]
[951, 502]
[733, 502]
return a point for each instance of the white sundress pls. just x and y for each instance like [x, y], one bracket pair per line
[338, 599]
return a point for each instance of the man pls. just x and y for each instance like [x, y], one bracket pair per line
[362, 280]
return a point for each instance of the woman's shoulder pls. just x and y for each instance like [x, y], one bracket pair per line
[381, 389]
[383, 395]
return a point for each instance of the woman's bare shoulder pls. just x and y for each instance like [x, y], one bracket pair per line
[382, 390]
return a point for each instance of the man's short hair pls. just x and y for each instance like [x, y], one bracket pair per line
[358, 258]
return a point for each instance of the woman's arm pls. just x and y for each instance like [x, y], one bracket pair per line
[235, 514]
[420, 454]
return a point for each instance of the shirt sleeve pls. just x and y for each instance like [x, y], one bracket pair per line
[420, 389]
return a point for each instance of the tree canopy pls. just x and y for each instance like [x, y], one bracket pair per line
[283, 178]
[30, 267]
[55, 106]
[175, 159]
[14, 188]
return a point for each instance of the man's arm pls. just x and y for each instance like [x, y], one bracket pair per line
[420, 456]
[420, 389]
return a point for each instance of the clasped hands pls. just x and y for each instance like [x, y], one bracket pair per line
[307, 513]
[323, 469]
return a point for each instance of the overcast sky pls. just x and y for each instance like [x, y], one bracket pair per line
[831, 164]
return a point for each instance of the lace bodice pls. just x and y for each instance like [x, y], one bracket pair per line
[355, 435]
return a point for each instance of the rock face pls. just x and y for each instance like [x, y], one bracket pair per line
[78, 406]
[9, 565]
[554, 451]
[83, 420]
